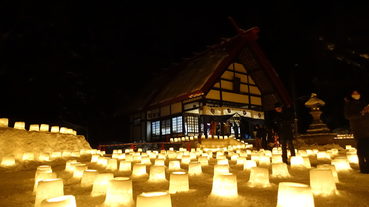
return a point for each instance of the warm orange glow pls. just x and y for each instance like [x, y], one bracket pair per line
[119, 192]
[19, 125]
[280, 170]
[322, 182]
[7, 161]
[294, 194]
[101, 183]
[225, 185]
[154, 199]
[47, 189]
[174, 165]
[4, 122]
[157, 174]
[194, 168]
[178, 182]
[61, 201]
[88, 178]
[139, 170]
[259, 177]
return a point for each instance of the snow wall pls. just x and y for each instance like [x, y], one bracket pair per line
[15, 142]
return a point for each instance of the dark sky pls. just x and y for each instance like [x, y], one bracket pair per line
[77, 64]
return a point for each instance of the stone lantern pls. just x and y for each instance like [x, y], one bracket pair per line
[314, 103]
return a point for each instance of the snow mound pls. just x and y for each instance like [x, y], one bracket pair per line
[14, 142]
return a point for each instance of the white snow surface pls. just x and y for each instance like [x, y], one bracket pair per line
[14, 142]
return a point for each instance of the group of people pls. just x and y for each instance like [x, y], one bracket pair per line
[356, 110]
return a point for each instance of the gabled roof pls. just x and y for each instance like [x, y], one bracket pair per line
[196, 76]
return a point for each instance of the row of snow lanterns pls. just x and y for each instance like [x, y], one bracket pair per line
[224, 183]
[190, 138]
[9, 161]
[4, 122]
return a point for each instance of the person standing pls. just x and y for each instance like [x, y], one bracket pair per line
[282, 121]
[357, 112]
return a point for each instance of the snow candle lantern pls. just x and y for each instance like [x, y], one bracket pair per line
[95, 158]
[341, 164]
[277, 159]
[259, 177]
[44, 127]
[225, 185]
[323, 156]
[203, 161]
[112, 164]
[280, 170]
[186, 159]
[61, 201]
[125, 166]
[178, 182]
[78, 170]
[157, 173]
[322, 182]
[7, 161]
[55, 155]
[44, 157]
[297, 162]
[249, 164]
[145, 161]
[352, 158]
[154, 199]
[241, 160]
[69, 165]
[42, 175]
[159, 162]
[119, 192]
[222, 162]
[331, 167]
[194, 168]
[139, 170]
[292, 194]
[48, 188]
[34, 127]
[264, 161]
[19, 125]
[88, 178]
[101, 184]
[54, 129]
[220, 169]
[28, 156]
[307, 163]
[174, 165]
[4, 122]
[63, 130]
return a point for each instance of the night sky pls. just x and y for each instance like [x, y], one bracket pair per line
[79, 64]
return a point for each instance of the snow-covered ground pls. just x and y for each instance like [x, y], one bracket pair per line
[17, 185]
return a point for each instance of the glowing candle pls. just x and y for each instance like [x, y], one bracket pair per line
[280, 170]
[88, 178]
[259, 177]
[332, 168]
[157, 173]
[78, 170]
[34, 127]
[101, 184]
[341, 164]
[44, 127]
[225, 185]
[112, 165]
[19, 125]
[55, 129]
[322, 182]
[194, 168]
[249, 164]
[174, 165]
[139, 170]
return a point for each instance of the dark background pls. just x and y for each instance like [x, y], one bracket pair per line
[79, 65]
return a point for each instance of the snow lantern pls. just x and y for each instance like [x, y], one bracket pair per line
[20, 125]
[48, 188]
[323, 156]
[63, 130]
[42, 175]
[277, 159]
[154, 199]
[54, 129]
[69, 165]
[28, 156]
[75, 154]
[78, 170]
[222, 162]
[102, 161]
[322, 182]
[331, 167]
[61, 201]
[34, 127]
[186, 159]
[297, 162]
[7, 161]
[44, 127]
[259, 177]
[264, 161]
[112, 165]
[88, 178]
[101, 184]
[307, 163]
[234, 157]
[4, 122]
[220, 169]
[119, 192]
[172, 155]
[203, 161]
[55, 155]
[341, 164]
[280, 170]
[353, 158]
[66, 153]
[225, 185]
[157, 173]
[249, 164]
[159, 162]
[194, 168]
[94, 158]
[178, 182]
[145, 161]
[241, 160]
[44, 157]
[139, 170]
[174, 165]
[125, 166]
[292, 194]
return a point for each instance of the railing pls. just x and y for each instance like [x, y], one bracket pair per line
[108, 148]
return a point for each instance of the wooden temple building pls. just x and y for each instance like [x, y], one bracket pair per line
[223, 90]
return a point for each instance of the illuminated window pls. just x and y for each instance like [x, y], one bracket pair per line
[155, 128]
[177, 124]
[192, 124]
[165, 127]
